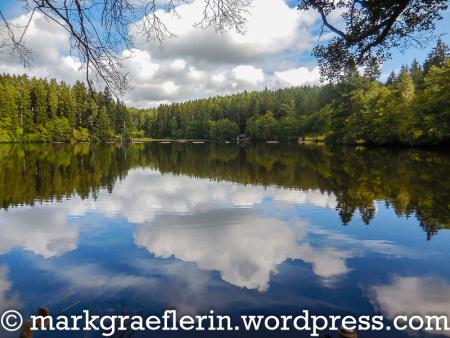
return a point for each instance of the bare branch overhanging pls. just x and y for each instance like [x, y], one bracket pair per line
[99, 29]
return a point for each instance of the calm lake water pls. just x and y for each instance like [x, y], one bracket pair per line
[261, 229]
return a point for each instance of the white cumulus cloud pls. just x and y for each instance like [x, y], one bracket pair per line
[248, 74]
[422, 296]
[197, 62]
[298, 77]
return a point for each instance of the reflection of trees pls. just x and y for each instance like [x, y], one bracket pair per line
[35, 173]
[413, 182]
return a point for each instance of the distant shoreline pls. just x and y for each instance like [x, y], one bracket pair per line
[308, 140]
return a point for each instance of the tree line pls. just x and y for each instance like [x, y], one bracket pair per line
[38, 110]
[410, 107]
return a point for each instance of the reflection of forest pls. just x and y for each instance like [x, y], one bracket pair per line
[413, 182]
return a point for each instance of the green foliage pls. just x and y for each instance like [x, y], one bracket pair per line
[223, 129]
[197, 130]
[80, 135]
[60, 129]
[102, 129]
[33, 137]
[197, 119]
[289, 128]
[369, 30]
[138, 133]
[319, 123]
[411, 108]
[5, 136]
[437, 57]
[434, 106]
[37, 110]
[264, 127]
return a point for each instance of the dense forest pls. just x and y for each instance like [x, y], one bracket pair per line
[37, 110]
[411, 107]
[413, 182]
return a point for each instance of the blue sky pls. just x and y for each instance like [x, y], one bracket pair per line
[401, 57]
[275, 52]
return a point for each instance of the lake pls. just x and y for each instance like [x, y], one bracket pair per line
[255, 229]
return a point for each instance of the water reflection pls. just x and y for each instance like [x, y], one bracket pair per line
[244, 246]
[44, 230]
[413, 296]
[252, 229]
[8, 300]
[413, 182]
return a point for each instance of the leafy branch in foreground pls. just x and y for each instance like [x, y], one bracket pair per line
[370, 29]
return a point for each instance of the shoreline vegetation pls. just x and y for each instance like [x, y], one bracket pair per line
[411, 108]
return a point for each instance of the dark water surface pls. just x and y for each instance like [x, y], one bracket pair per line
[265, 229]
